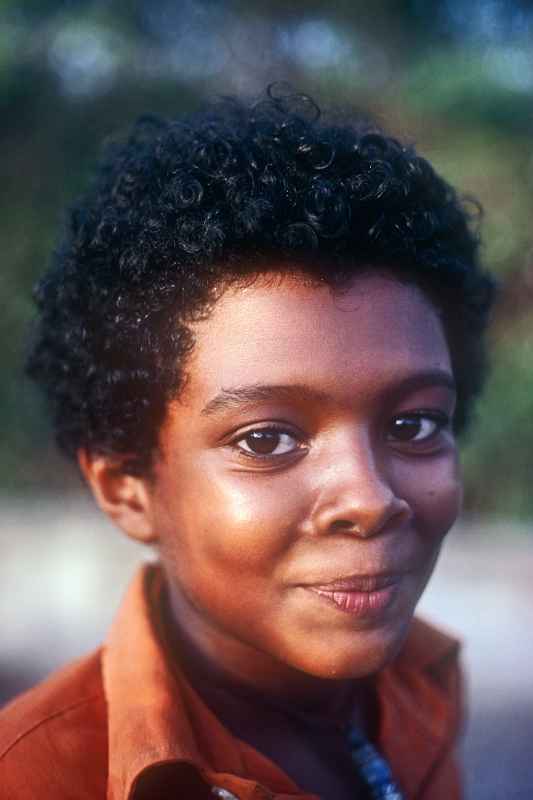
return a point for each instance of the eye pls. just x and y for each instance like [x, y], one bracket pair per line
[418, 427]
[264, 442]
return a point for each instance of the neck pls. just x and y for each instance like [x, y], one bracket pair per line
[210, 658]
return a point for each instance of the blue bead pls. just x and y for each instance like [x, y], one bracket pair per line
[372, 767]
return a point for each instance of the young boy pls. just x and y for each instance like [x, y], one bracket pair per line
[259, 338]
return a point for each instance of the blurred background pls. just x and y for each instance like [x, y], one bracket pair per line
[456, 78]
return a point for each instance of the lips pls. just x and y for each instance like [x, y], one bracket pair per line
[357, 583]
[361, 595]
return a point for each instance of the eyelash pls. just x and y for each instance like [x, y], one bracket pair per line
[440, 420]
[280, 430]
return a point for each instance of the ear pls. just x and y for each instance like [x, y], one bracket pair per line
[125, 498]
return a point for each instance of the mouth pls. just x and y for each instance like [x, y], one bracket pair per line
[360, 595]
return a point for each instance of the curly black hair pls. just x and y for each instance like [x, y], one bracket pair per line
[183, 206]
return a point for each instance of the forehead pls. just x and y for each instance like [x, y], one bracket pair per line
[282, 329]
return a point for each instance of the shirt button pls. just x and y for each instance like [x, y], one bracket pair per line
[218, 791]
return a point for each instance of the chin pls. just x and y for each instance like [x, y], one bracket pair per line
[366, 653]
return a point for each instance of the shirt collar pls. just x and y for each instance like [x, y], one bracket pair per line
[420, 705]
[156, 718]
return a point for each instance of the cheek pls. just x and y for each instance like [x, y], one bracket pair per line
[435, 494]
[228, 524]
[224, 540]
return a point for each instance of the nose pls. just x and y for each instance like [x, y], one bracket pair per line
[356, 495]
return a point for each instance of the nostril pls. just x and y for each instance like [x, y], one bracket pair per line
[344, 525]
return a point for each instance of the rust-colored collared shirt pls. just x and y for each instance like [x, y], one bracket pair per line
[122, 724]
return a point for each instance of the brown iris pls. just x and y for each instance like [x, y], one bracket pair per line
[262, 442]
[405, 428]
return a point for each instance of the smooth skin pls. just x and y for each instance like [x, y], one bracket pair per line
[312, 441]
[240, 534]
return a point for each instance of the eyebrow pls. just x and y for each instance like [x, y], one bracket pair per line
[261, 392]
[239, 396]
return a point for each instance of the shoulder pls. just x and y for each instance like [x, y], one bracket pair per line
[53, 738]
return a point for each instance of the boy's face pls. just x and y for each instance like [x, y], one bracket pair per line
[308, 474]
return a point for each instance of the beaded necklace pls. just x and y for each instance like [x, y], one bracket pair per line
[372, 767]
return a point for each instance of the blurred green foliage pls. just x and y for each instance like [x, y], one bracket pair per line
[455, 78]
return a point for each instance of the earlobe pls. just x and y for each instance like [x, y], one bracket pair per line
[124, 497]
